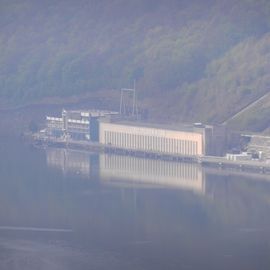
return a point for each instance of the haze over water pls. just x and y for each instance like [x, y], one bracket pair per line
[64, 209]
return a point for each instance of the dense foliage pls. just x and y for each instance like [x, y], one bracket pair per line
[195, 60]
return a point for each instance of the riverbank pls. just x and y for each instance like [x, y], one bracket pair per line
[252, 166]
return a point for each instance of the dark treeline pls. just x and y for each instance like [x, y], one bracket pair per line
[193, 59]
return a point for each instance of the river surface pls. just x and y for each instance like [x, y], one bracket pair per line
[65, 209]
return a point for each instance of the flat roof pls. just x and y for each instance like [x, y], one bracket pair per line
[176, 127]
[92, 112]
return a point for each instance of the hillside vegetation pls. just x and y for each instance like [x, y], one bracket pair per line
[192, 60]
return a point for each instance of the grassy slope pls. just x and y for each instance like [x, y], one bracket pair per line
[192, 60]
[231, 82]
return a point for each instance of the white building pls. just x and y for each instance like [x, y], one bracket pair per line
[187, 140]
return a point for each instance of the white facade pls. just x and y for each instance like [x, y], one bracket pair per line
[151, 139]
[238, 157]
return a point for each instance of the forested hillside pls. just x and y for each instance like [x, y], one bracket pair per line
[193, 60]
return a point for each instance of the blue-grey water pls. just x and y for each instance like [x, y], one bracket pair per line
[65, 209]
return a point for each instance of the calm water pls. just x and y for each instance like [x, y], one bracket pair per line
[62, 209]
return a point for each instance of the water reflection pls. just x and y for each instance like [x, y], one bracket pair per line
[227, 195]
[129, 170]
[95, 211]
[68, 161]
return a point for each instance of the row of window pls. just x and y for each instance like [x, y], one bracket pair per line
[78, 130]
[78, 126]
[57, 125]
[74, 126]
[151, 143]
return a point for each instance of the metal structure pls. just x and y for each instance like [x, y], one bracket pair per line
[128, 102]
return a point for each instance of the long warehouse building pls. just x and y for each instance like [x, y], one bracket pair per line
[187, 140]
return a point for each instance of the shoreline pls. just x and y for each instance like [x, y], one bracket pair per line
[252, 166]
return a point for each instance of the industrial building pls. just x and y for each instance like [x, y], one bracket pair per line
[108, 129]
[186, 140]
[149, 138]
[259, 144]
[77, 125]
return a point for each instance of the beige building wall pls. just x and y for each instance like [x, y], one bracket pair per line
[151, 139]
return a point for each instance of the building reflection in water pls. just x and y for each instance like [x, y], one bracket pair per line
[122, 170]
[69, 161]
